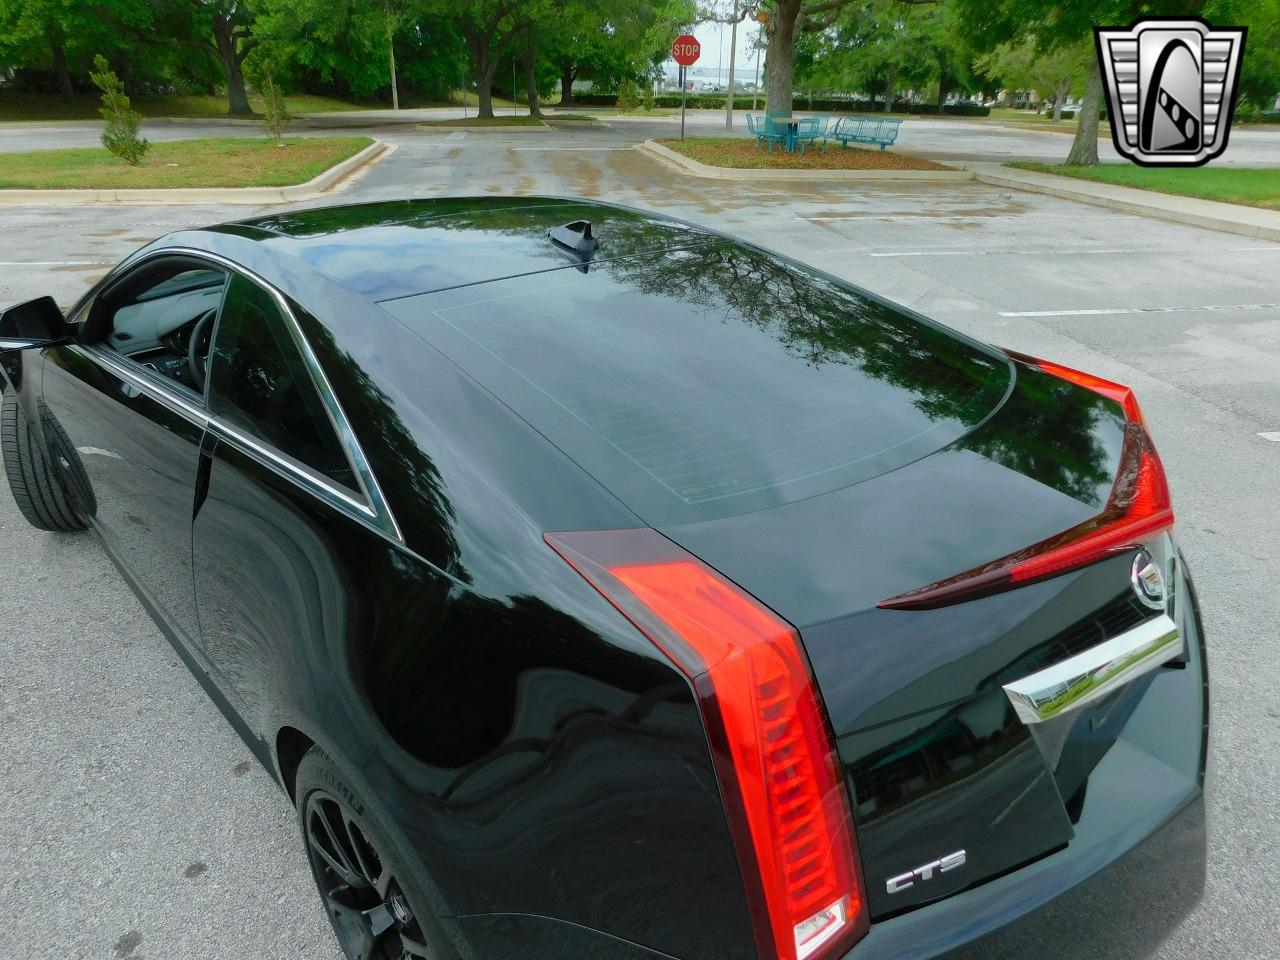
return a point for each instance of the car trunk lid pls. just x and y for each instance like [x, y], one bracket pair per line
[937, 759]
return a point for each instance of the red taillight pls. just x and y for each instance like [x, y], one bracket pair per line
[775, 757]
[1138, 508]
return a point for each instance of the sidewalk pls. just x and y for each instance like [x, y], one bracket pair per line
[1226, 217]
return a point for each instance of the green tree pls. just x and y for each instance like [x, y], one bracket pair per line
[1260, 68]
[490, 29]
[120, 135]
[1058, 72]
[1054, 25]
[221, 28]
[64, 35]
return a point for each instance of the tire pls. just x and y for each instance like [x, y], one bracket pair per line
[326, 796]
[41, 497]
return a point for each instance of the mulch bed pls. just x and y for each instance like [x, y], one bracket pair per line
[743, 153]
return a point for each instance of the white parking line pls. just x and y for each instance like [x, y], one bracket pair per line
[1084, 251]
[98, 452]
[972, 216]
[569, 149]
[1273, 436]
[1117, 310]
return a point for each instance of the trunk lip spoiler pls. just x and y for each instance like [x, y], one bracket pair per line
[1087, 677]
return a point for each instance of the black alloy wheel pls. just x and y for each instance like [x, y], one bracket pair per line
[369, 910]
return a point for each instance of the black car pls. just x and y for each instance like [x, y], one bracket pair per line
[599, 586]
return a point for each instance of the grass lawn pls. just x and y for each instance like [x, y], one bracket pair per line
[743, 153]
[47, 106]
[507, 120]
[1252, 187]
[227, 162]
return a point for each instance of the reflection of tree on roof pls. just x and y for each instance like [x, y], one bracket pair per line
[1048, 431]
[822, 322]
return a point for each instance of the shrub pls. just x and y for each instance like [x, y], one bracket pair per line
[742, 101]
[1247, 112]
[628, 95]
[121, 133]
[648, 96]
[275, 116]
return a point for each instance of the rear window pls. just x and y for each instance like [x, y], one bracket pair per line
[712, 381]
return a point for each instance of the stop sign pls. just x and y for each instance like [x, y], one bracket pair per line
[685, 50]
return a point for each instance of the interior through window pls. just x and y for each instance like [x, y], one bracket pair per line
[163, 318]
[260, 383]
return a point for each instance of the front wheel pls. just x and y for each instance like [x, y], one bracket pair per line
[373, 903]
[39, 493]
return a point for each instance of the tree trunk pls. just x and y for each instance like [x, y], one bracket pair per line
[1060, 98]
[530, 75]
[484, 96]
[232, 59]
[942, 89]
[566, 87]
[485, 64]
[60, 63]
[1084, 150]
[780, 55]
[889, 84]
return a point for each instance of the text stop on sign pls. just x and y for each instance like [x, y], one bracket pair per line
[685, 50]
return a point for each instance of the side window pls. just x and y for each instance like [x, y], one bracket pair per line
[260, 383]
[161, 316]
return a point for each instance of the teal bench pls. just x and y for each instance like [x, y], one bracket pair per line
[864, 130]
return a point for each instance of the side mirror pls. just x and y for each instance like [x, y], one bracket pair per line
[36, 323]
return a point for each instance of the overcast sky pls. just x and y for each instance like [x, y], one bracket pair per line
[714, 38]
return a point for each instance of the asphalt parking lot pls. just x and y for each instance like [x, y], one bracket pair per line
[137, 825]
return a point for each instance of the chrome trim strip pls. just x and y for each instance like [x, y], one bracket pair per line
[315, 483]
[374, 509]
[371, 510]
[1087, 677]
[133, 374]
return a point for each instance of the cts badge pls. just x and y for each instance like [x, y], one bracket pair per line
[899, 883]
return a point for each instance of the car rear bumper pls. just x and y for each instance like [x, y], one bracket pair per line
[1133, 869]
[1057, 908]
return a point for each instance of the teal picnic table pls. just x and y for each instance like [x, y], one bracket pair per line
[792, 125]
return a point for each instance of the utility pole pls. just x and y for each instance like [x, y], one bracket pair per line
[391, 53]
[733, 53]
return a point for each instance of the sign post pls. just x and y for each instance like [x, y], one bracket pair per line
[685, 51]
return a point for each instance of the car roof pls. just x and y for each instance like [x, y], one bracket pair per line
[400, 248]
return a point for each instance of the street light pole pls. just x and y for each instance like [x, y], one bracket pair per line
[733, 53]
[755, 93]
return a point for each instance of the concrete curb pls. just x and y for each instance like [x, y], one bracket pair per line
[347, 170]
[426, 127]
[1211, 214]
[694, 168]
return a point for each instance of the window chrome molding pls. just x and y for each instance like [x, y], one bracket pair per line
[372, 509]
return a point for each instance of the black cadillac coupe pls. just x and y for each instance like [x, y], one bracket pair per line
[599, 586]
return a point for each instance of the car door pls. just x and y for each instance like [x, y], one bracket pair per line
[283, 519]
[132, 412]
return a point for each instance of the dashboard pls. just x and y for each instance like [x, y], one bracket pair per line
[156, 329]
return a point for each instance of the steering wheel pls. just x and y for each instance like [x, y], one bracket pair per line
[198, 348]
